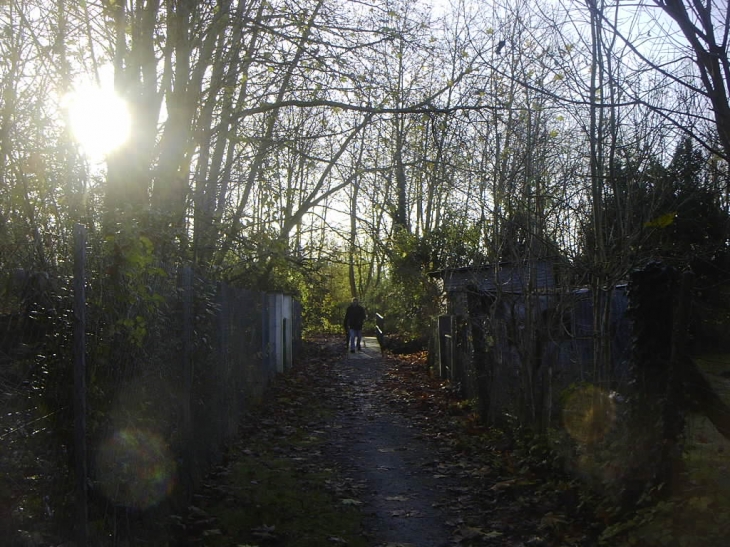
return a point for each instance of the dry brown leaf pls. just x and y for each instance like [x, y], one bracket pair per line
[503, 485]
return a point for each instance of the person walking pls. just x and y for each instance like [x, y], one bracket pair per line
[354, 319]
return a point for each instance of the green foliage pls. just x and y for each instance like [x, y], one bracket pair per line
[264, 262]
[670, 211]
[320, 286]
[324, 295]
[691, 225]
[455, 243]
[409, 297]
[130, 305]
[674, 213]
[131, 312]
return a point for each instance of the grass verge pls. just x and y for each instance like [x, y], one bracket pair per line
[276, 488]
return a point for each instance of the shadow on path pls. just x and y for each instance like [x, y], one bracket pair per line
[386, 453]
[389, 444]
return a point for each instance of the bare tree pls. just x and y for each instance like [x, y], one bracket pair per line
[706, 27]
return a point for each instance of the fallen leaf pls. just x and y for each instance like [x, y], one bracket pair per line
[662, 221]
[469, 532]
[197, 512]
[264, 532]
[406, 513]
[349, 501]
[482, 471]
[552, 520]
[503, 485]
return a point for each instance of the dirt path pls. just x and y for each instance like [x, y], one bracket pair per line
[366, 451]
[382, 450]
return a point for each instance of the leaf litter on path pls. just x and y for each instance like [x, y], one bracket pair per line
[369, 453]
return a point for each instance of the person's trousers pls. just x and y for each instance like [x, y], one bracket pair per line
[355, 338]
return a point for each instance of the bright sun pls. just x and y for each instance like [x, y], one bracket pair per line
[100, 120]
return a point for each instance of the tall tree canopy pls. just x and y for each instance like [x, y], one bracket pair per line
[272, 136]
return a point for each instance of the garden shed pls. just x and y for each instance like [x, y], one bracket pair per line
[514, 330]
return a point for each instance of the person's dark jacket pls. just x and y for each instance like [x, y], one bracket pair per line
[354, 316]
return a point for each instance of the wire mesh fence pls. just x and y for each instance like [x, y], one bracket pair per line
[169, 363]
[518, 350]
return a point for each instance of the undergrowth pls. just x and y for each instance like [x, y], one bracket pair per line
[279, 491]
[277, 499]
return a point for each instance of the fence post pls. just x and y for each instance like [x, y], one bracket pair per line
[446, 346]
[188, 373]
[82, 530]
[287, 332]
[379, 330]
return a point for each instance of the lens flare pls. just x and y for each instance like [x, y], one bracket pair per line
[135, 468]
[100, 120]
[589, 414]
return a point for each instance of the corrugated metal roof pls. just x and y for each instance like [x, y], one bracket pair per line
[506, 277]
